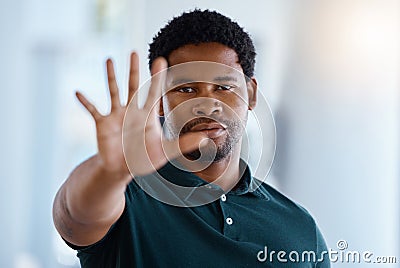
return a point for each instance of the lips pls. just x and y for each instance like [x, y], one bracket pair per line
[207, 126]
[211, 128]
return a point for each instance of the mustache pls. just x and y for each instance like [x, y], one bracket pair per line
[200, 120]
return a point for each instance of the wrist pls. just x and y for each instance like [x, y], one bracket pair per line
[120, 174]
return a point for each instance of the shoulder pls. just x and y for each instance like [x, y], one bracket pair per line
[285, 204]
[300, 219]
[132, 190]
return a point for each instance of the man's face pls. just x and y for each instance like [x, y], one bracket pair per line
[207, 93]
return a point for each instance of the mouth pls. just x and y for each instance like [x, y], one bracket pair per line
[211, 128]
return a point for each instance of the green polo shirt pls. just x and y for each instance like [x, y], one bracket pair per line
[240, 228]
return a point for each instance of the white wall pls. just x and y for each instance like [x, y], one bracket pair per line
[339, 117]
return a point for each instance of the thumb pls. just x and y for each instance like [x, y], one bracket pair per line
[185, 144]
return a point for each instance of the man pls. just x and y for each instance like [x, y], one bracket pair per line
[218, 220]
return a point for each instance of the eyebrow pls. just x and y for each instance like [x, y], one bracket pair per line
[226, 78]
[181, 81]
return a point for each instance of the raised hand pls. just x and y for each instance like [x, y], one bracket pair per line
[145, 147]
[109, 127]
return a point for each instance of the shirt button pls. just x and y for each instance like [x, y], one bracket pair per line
[229, 221]
[223, 198]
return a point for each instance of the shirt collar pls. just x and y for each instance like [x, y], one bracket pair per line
[246, 185]
[173, 185]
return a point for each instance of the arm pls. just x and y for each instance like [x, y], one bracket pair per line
[89, 202]
[92, 198]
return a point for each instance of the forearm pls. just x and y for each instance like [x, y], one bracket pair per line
[90, 198]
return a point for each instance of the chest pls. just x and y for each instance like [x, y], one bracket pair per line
[237, 221]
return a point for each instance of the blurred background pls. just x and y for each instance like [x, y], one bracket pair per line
[330, 71]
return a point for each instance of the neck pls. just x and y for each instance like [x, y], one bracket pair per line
[224, 173]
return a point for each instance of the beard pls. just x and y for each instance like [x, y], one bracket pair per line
[223, 147]
[208, 153]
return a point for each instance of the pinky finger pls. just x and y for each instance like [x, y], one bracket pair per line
[88, 105]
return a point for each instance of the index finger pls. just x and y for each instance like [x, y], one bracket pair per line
[157, 81]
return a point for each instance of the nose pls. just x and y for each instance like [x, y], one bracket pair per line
[207, 107]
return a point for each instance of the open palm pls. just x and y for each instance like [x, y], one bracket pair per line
[146, 149]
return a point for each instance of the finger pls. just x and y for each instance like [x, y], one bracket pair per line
[185, 144]
[133, 79]
[112, 85]
[157, 83]
[89, 106]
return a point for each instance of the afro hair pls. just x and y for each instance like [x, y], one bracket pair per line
[206, 26]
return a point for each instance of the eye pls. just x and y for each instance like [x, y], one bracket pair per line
[225, 87]
[185, 90]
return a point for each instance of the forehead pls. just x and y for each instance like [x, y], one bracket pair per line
[203, 71]
[214, 52]
[207, 62]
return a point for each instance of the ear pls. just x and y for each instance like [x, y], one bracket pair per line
[252, 92]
